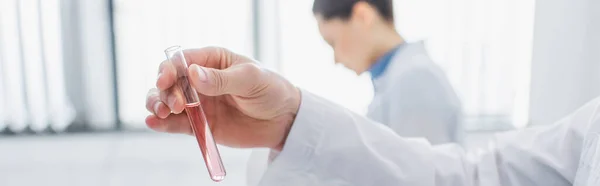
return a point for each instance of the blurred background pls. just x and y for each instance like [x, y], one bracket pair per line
[74, 75]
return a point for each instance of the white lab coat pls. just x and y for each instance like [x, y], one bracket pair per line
[329, 145]
[415, 99]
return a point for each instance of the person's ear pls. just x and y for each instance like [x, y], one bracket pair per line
[363, 13]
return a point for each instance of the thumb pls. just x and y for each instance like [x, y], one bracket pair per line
[239, 80]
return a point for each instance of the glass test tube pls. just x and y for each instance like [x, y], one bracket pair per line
[195, 114]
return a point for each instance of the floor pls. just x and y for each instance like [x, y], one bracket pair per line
[124, 159]
[112, 159]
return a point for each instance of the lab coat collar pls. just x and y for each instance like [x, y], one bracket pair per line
[400, 61]
[382, 63]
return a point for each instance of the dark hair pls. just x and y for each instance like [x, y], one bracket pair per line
[343, 8]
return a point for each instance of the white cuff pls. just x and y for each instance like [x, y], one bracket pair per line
[295, 160]
[305, 133]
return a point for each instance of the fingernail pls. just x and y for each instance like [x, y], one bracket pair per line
[201, 73]
[156, 107]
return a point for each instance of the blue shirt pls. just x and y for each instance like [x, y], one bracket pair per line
[382, 63]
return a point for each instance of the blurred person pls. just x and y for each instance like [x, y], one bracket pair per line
[324, 144]
[412, 94]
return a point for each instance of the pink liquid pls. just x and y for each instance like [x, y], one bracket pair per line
[208, 147]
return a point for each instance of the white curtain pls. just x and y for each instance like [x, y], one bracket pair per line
[55, 69]
[15, 115]
[61, 111]
[33, 89]
[143, 32]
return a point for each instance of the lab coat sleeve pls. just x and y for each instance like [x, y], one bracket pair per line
[329, 145]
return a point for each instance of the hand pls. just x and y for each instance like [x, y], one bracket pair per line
[246, 106]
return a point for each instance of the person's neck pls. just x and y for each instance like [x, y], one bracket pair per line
[385, 43]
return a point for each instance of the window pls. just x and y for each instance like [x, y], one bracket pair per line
[308, 61]
[483, 45]
[143, 32]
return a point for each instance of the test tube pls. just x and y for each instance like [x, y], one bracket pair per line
[195, 114]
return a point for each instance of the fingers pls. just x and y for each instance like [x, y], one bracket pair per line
[211, 57]
[240, 68]
[240, 80]
[173, 124]
[167, 76]
[155, 105]
[163, 103]
[174, 99]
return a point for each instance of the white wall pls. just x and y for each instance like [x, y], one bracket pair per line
[566, 58]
